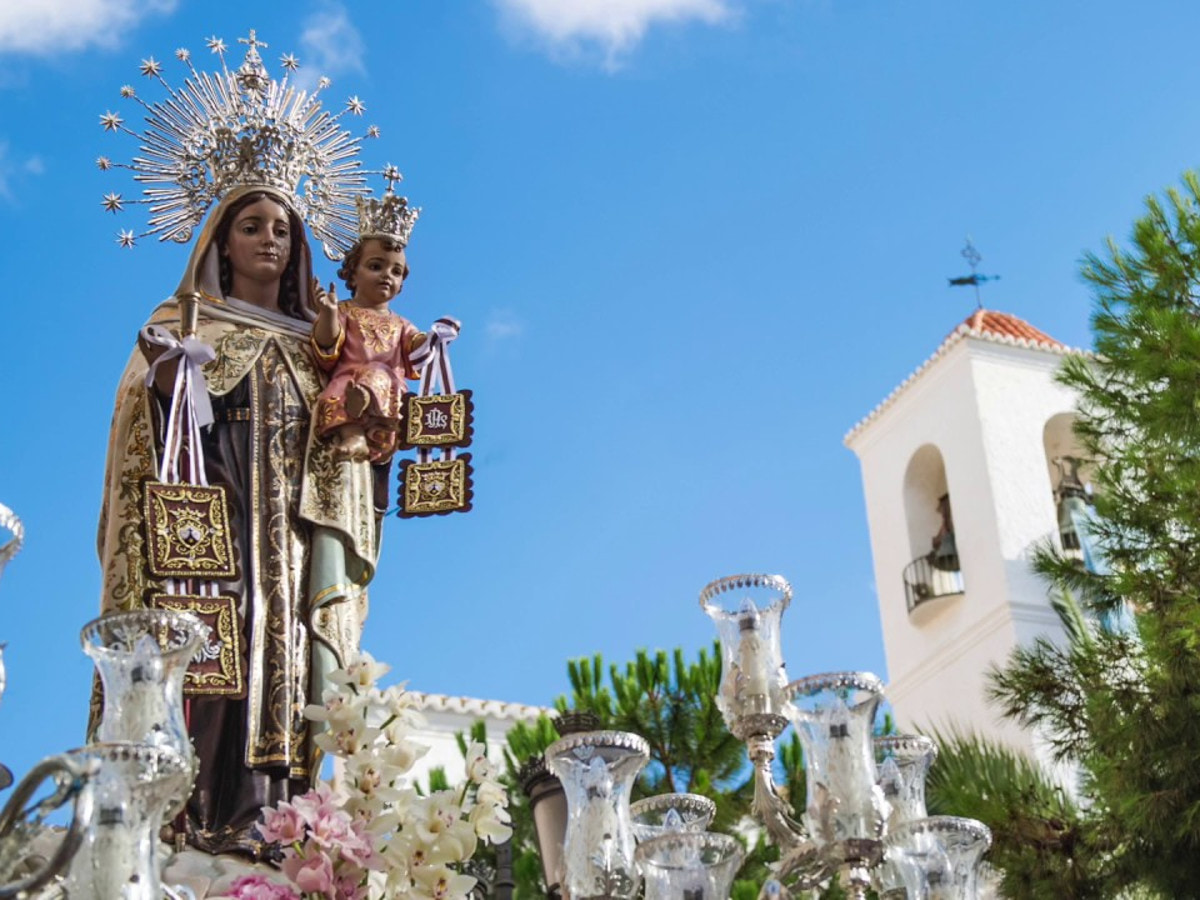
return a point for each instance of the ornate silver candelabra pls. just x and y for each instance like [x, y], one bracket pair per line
[864, 814]
[863, 821]
[119, 789]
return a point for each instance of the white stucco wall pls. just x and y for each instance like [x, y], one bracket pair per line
[445, 716]
[984, 405]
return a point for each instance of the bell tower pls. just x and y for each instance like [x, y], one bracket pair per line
[967, 466]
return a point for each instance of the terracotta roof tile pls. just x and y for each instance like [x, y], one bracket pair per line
[984, 325]
[988, 321]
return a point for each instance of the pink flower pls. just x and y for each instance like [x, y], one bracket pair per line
[315, 803]
[358, 848]
[259, 887]
[311, 872]
[330, 828]
[350, 887]
[283, 824]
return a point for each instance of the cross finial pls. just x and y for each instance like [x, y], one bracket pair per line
[969, 253]
[391, 174]
[253, 42]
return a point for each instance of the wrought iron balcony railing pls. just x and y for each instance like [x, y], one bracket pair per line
[925, 581]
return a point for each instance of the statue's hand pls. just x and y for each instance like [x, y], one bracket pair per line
[327, 329]
[327, 301]
[164, 375]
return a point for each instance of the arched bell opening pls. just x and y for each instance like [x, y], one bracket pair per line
[935, 570]
[1071, 481]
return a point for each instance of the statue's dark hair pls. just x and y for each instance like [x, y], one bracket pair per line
[354, 257]
[289, 282]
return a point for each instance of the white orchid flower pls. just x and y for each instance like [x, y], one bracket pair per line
[491, 823]
[441, 883]
[479, 768]
[362, 672]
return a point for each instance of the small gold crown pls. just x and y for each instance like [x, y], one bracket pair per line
[389, 215]
[241, 127]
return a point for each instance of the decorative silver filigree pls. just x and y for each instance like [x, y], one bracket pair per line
[25, 817]
[388, 215]
[16, 535]
[776, 583]
[220, 130]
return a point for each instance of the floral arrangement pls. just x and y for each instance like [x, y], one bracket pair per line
[372, 835]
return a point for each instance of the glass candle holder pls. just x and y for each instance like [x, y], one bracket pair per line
[142, 656]
[834, 715]
[597, 770]
[903, 762]
[132, 791]
[753, 681]
[936, 858]
[690, 866]
[671, 813]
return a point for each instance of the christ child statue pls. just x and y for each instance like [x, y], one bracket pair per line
[367, 350]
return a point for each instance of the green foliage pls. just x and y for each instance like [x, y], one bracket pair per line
[438, 780]
[672, 704]
[1120, 700]
[1040, 839]
[525, 740]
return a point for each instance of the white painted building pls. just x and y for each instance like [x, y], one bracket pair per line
[445, 716]
[980, 424]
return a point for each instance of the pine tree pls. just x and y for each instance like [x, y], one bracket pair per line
[1122, 699]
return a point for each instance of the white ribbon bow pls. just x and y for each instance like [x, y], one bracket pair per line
[194, 354]
[441, 334]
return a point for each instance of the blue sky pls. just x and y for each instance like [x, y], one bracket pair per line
[692, 242]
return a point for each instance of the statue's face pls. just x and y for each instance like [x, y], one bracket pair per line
[379, 274]
[259, 242]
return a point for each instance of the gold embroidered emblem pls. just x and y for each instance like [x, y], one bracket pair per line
[438, 420]
[187, 531]
[436, 487]
[217, 669]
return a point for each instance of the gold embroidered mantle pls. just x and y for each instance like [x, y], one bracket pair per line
[307, 533]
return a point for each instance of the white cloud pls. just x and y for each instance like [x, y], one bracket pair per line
[14, 171]
[612, 26]
[6, 173]
[45, 27]
[503, 325]
[330, 45]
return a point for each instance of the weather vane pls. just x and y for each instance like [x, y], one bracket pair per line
[973, 256]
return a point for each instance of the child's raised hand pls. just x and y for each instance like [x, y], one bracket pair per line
[326, 300]
[326, 330]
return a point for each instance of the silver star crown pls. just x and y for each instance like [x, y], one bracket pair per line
[388, 215]
[224, 129]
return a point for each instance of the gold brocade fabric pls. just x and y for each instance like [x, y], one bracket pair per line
[291, 490]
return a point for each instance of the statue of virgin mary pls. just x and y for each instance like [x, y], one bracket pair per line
[304, 525]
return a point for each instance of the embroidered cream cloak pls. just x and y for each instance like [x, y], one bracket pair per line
[307, 538]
